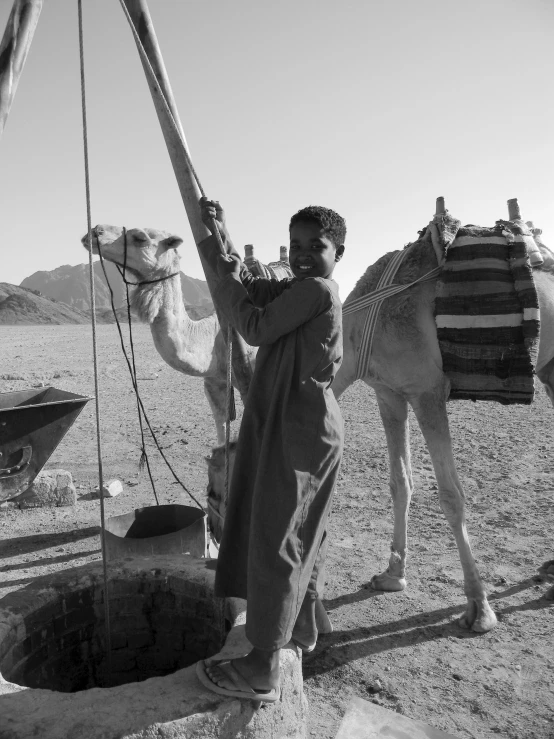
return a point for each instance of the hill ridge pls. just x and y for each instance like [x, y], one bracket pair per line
[70, 285]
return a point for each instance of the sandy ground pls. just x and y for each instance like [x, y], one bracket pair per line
[404, 651]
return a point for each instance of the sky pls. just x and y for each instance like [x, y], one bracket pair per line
[371, 107]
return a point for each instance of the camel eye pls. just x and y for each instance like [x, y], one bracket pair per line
[140, 237]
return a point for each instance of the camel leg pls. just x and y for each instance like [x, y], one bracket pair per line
[546, 376]
[216, 393]
[394, 414]
[430, 410]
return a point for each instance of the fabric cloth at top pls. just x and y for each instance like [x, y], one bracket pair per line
[288, 452]
[272, 271]
[487, 314]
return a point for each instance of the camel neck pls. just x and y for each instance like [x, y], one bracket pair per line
[160, 299]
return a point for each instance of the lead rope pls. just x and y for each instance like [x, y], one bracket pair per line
[143, 456]
[134, 380]
[156, 85]
[95, 349]
[230, 402]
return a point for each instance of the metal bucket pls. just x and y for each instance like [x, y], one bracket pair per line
[32, 424]
[164, 529]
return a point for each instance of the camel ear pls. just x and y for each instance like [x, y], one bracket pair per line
[172, 242]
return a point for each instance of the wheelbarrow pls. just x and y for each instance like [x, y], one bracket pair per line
[32, 424]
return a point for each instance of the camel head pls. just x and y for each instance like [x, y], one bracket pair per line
[147, 253]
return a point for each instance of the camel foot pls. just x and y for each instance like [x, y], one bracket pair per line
[387, 582]
[479, 616]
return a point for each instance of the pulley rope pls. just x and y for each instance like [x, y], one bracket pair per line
[94, 346]
[144, 456]
[135, 388]
[156, 85]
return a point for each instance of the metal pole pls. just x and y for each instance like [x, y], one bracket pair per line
[14, 48]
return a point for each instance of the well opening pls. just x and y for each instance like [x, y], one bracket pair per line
[158, 624]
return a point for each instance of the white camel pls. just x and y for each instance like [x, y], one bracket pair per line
[195, 348]
[405, 367]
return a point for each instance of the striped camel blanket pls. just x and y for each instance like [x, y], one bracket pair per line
[487, 314]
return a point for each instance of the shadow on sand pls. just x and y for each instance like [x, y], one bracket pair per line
[342, 647]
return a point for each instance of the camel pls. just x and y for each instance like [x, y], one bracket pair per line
[405, 367]
[196, 348]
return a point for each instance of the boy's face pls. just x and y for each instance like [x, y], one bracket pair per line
[312, 253]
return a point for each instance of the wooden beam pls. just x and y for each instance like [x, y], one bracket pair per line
[513, 210]
[14, 48]
[138, 15]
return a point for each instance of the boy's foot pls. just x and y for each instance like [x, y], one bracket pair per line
[304, 634]
[259, 669]
[233, 685]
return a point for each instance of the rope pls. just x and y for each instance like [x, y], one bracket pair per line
[229, 401]
[143, 457]
[379, 294]
[135, 387]
[94, 345]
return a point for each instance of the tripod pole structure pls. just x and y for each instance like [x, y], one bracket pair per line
[139, 18]
[14, 48]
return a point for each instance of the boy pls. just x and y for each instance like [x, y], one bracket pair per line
[289, 447]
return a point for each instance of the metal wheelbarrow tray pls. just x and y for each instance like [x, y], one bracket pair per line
[32, 424]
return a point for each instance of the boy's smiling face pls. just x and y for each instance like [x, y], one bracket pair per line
[312, 253]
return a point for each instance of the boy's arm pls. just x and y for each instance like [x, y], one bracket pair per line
[304, 300]
[261, 290]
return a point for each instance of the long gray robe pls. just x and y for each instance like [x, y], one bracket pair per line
[289, 449]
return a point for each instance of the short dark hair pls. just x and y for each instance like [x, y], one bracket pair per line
[332, 224]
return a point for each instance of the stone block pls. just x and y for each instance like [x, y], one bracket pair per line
[157, 660]
[43, 616]
[111, 488]
[50, 488]
[123, 661]
[8, 637]
[140, 639]
[163, 601]
[129, 622]
[124, 587]
[169, 641]
[80, 617]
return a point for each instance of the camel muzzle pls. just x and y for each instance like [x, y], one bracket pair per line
[94, 241]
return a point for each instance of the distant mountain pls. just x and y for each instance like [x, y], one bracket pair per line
[19, 305]
[71, 285]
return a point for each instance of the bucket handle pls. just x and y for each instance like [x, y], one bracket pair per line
[21, 466]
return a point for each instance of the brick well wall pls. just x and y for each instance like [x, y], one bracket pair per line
[158, 623]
